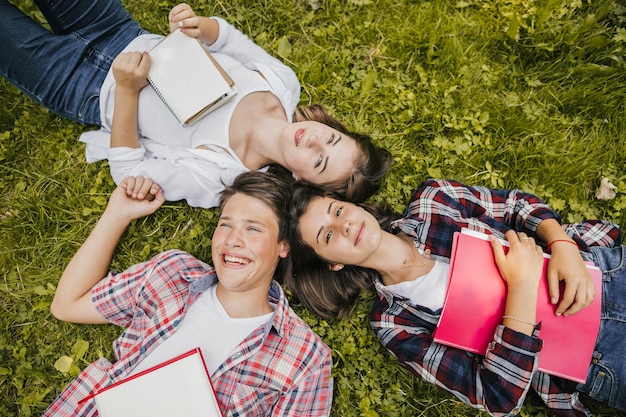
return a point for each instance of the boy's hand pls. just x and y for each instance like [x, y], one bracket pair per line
[135, 197]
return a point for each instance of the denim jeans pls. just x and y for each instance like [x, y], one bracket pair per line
[64, 69]
[607, 374]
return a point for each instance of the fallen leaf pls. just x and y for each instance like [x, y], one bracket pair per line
[606, 191]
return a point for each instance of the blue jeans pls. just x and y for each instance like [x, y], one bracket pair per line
[606, 379]
[64, 69]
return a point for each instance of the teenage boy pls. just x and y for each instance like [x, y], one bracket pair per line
[262, 358]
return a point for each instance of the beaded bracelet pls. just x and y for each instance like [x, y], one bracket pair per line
[549, 248]
[520, 320]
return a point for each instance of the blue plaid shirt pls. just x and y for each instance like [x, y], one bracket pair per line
[499, 381]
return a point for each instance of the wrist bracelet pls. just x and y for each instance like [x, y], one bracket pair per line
[520, 320]
[549, 248]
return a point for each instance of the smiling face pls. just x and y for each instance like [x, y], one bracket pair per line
[340, 232]
[317, 153]
[245, 245]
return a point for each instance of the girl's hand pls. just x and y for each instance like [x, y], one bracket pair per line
[183, 17]
[522, 269]
[567, 265]
[130, 70]
[522, 266]
[135, 197]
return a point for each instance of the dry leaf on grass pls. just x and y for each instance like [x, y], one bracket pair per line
[606, 191]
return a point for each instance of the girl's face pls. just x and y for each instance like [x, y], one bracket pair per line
[340, 232]
[317, 153]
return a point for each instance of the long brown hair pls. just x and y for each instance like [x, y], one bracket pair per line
[372, 164]
[327, 293]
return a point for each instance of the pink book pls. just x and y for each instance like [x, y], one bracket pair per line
[474, 306]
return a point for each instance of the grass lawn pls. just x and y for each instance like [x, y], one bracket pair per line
[503, 93]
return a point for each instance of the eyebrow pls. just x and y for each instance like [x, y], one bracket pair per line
[317, 238]
[247, 221]
[326, 161]
[325, 165]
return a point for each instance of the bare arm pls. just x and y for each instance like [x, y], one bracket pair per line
[130, 71]
[566, 265]
[134, 198]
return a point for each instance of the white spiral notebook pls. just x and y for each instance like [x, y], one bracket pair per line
[188, 79]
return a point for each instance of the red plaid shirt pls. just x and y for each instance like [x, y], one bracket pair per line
[499, 381]
[282, 369]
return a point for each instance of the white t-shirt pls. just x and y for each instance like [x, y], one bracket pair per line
[428, 290]
[206, 325]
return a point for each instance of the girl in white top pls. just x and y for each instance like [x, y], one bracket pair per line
[260, 127]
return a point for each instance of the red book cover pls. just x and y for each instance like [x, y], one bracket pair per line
[474, 306]
[180, 386]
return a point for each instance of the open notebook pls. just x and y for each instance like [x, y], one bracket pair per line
[188, 79]
[178, 387]
[474, 306]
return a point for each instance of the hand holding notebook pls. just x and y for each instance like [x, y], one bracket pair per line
[188, 79]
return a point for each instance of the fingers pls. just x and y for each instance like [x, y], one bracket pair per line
[132, 62]
[496, 246]
[554, 290]
[141, 188]
[182, 16]
[576, 298]
[130, 69]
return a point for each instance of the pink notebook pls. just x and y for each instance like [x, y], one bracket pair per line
[474, 306]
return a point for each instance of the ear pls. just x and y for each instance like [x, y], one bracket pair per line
[335, 267]
[284, 249]
[295, 177]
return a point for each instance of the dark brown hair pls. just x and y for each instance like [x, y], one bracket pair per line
[327, 293]
[370, 168]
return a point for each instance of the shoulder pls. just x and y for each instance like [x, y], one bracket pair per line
[175, 262]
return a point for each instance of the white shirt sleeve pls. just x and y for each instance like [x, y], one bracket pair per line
[182, 174]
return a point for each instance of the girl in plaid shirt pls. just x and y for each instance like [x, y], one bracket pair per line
[340, 249]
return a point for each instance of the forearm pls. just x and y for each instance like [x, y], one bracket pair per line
[209, 30]
[550, 230]
[520, 312]
[124, 130]
[72, 301]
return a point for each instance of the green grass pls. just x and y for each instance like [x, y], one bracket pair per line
[522, 93]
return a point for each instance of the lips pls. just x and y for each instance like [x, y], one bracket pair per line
[359, 234]
[297, 138]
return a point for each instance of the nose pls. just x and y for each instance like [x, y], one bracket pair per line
[233, 239]
[311, 141]
[347, 224]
